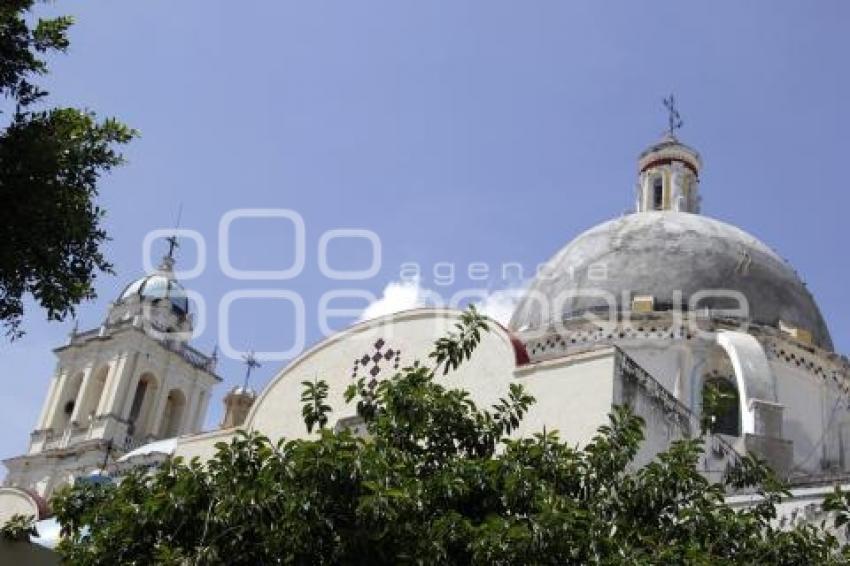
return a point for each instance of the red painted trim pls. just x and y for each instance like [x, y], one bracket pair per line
[521, 356]
[520, 353]
[668, 161]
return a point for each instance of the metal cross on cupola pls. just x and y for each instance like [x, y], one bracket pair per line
[167, 263]
[172, 245]
[674, 120]
[250, 364]
[168, 260]
[172, 240]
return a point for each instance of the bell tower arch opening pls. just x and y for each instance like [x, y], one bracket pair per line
[65, 408]
[172, 416]
[90, 398]
[142, 404]
[658, 193]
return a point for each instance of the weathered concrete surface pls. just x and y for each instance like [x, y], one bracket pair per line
[660, 253]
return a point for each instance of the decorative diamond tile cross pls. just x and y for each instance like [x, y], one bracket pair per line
[370, 362]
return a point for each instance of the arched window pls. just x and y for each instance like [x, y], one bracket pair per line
[172, 416]
[138, 398]
[657, 193]
[92, 396]
[721, 407]
[62, 416]
[141, 406]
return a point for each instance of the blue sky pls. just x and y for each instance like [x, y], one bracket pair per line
[457, 131]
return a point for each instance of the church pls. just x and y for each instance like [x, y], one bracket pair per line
[651, 309]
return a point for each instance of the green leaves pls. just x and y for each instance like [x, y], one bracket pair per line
[315, 410]
[509, 412]
[22, 46]
[18, 528]
[50, 231]
[52, 35]
[718, 397]
[838, 503]
[450, 351]
[438, 481]
[50, 164]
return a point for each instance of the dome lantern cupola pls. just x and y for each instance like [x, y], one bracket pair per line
[668, 172]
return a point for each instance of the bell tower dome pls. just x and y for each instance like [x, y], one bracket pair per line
[158, 301]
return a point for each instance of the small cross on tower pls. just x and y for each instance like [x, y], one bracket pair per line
[250, 363]
[674, 120]
[167, 263]
[172, 244]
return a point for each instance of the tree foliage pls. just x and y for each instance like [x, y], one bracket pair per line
[19, 528]
[50, 163]
[437, 480]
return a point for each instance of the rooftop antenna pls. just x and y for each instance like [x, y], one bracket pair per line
[674, 120]
[250, 363]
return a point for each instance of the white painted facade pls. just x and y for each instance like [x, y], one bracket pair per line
[574, 394]
[792, 395]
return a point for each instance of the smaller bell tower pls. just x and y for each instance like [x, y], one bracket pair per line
[238, 403]
[132, 380]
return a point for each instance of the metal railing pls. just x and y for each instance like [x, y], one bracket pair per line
[715, 444]
[630, 369]
[193, 356]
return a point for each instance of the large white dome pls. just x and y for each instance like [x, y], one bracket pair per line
[659, 253]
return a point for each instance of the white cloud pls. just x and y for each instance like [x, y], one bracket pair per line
[409, 294]
[398, 296]
[500, 304]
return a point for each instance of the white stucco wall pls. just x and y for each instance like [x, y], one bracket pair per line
[202, 446]
[277, 410]
[573, 395]
[16, 502]
[815, 412]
